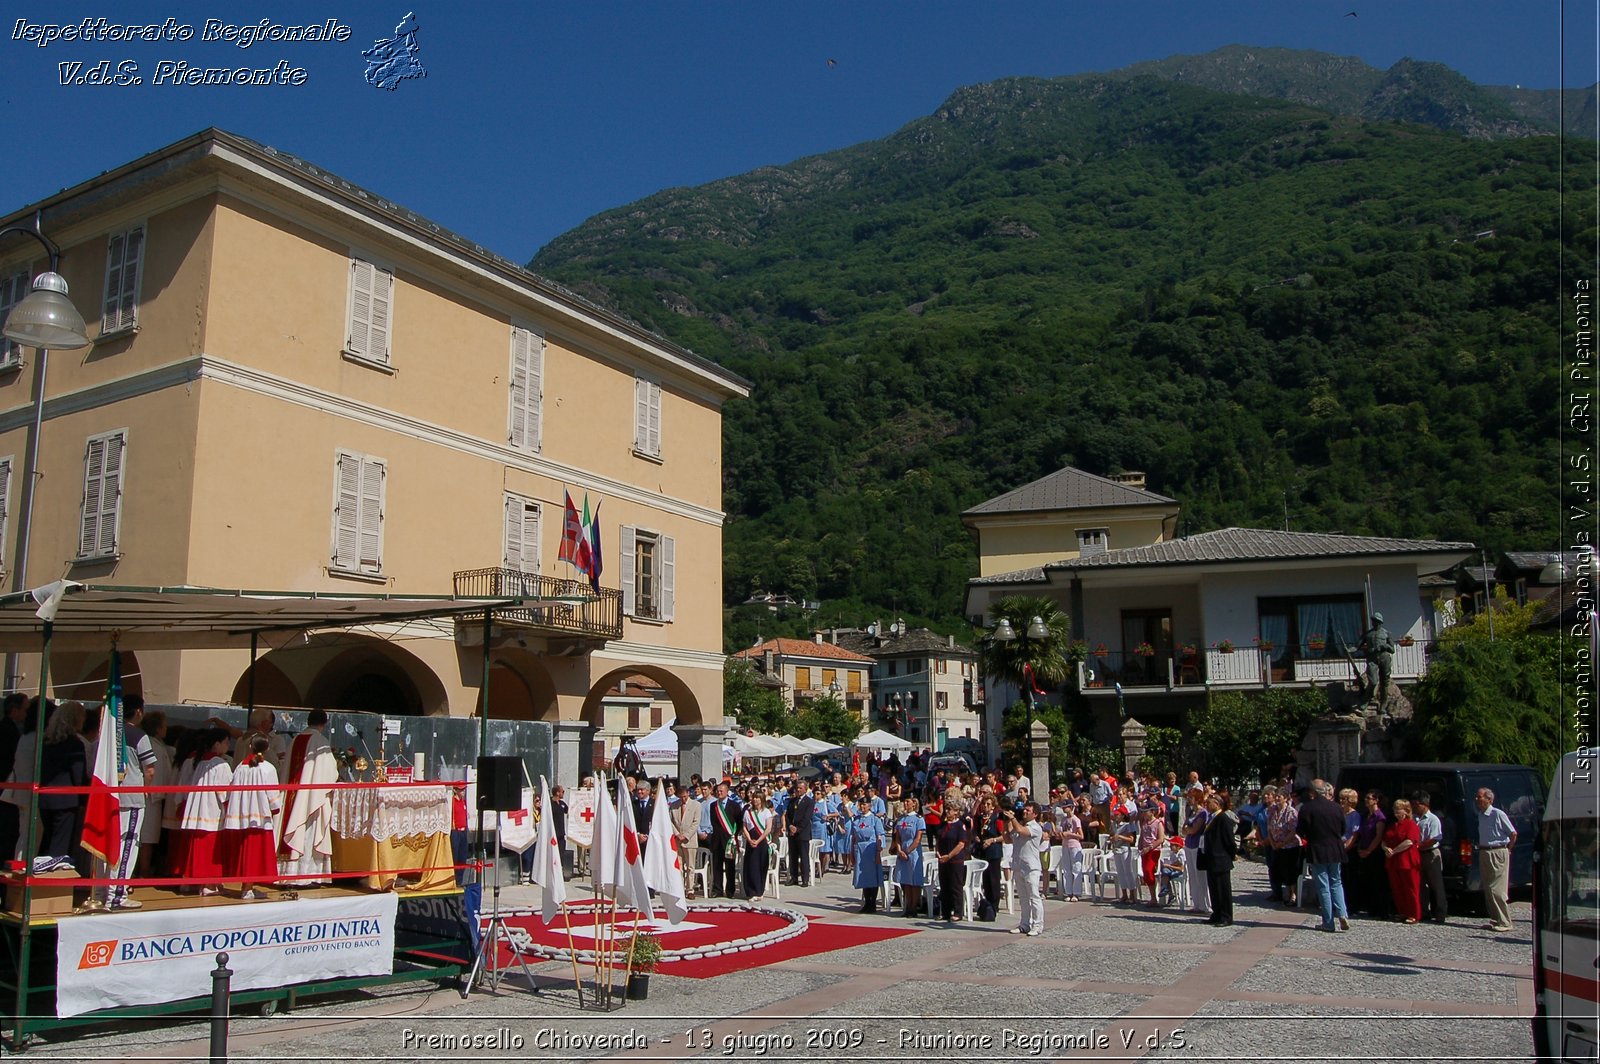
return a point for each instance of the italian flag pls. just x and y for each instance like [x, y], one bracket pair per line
[102, 820]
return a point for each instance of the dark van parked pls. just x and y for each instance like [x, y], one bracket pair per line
[1454, 788]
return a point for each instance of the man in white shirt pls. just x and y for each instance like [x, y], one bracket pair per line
[1434, 906]
[1027, 869]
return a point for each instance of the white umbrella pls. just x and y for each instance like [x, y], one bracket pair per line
[881, 740]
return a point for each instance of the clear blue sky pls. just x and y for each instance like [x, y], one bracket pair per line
[535, 115]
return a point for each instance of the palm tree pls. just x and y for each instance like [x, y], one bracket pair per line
[1031, 632]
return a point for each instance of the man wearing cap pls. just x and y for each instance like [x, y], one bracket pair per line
[1378, 649]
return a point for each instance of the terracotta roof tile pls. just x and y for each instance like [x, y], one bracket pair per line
[802, 648]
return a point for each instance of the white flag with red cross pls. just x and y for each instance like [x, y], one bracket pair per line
[663, 865]
[547, 858]
[626, 857]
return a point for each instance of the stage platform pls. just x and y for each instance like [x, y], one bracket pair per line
[433, 941]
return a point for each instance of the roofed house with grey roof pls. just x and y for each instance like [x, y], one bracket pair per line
[1166, 618]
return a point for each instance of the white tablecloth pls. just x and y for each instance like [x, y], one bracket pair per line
[381, 813]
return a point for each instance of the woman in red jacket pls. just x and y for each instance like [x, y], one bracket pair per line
[1403, 861]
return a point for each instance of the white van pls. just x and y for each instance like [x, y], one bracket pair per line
[1566, 914]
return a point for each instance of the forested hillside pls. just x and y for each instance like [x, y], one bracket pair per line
[1277, 312]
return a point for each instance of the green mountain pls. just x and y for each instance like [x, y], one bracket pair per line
[1278, 312]
[1410, 91]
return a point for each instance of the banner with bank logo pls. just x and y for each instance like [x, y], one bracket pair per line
[149, 957]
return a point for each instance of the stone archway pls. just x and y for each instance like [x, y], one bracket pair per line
[685, 706]
[272, 687]
[347, 671]
[91, 687]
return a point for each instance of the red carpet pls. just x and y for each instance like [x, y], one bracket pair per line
[818, 938]
[739, 938]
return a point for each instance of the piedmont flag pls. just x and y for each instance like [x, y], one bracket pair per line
[627, 860]
[547, 858]
[663, 867]
[571, 532]
[102, 820]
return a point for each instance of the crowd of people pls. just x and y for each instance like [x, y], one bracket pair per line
[213, 807]
[1163, 841]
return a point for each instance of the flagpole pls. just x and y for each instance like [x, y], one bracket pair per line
[572, 951]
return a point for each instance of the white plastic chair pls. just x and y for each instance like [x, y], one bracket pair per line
[701, 875]
[972, 887]
[816, 859]
[1053, 873]
[775, 856]
[1105, 871]
[890, 890]
[1008, 883]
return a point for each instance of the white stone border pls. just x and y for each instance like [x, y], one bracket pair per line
[794, 924]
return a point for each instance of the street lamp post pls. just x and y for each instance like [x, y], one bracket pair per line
[1004, 633]
[44, 319]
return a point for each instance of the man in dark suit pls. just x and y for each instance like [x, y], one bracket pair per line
[725, 814]
[1221, 842]
[801, 807]
[644, 810]
[1321, 824]
[12, 713]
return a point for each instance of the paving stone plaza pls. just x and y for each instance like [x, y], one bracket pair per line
[1104, 982]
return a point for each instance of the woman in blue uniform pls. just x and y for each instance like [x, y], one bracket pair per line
[819, 832]
[908, 832]
[865, 836]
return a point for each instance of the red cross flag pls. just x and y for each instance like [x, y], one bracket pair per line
[626, 857]
[519, 828]
[580, 816]
[663, 867]
[547, 858]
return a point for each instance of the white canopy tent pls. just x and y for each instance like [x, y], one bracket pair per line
[820, 746]
[660, 747]
[882, 740]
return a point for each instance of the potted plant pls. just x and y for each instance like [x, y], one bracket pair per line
[1264, 644]
[1315, 641]
[1407, 641]
[1224, 646]
[1190, 651]
[1145, 650]
[644, 952]
[1102, 651]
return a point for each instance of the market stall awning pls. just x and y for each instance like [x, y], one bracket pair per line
[195, 618]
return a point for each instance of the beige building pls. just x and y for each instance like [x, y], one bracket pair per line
[926, 687]
[810, 669]
[297, 385]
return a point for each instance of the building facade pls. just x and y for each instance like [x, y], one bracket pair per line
[812, 669]
[295, 384]
[925, 686]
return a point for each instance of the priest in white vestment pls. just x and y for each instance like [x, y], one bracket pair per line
[306, 847]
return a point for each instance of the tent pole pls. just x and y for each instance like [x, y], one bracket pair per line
[25, 943]
[250, 677]
[483, 734]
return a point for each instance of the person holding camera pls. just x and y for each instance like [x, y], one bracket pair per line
[1027, 866]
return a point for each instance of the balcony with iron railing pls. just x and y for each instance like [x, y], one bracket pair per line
[556, 606]
[1251, 666]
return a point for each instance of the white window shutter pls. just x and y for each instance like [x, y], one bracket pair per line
[511, 556]
[347, 512]
[641, 415]
[628, 559]
[535, 400]
[124, 253]
[110, 309]
[653, 409]
[13, 290]
[520, 387]
[530, 537]
[94, 462]
[111, 496]
[373, 473]
[132, 263]
[5, 500]
[359, 341]
[382, 302]
[667, 576]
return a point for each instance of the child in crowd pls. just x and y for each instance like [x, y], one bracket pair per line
[1174, 870]
[249, 841]
[202, 814]
[1124, 848]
